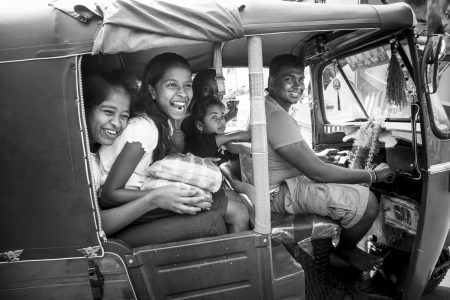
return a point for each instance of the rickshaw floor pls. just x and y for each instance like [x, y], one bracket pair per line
[322, 281]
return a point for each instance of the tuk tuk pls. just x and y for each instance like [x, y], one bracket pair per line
[52, 245]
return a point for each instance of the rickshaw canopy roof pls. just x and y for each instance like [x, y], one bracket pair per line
[37, 30]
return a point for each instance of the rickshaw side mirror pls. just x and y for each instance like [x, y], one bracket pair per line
[433, 53]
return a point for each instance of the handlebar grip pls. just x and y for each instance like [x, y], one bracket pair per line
[389, 178]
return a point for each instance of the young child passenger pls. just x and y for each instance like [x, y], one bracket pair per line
[208, 115]
[209, 120]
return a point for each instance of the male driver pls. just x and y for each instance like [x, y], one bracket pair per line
[307, 184]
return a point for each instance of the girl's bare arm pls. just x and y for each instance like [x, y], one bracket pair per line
[114, 192]
[237, 136]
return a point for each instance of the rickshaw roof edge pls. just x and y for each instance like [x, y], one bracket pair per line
[37, 30]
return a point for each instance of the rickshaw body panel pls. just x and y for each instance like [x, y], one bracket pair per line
[214, 268]
[434, 221]
[45, 192]
[64, 279]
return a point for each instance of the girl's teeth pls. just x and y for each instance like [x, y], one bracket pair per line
[179, 105]
[111, 131]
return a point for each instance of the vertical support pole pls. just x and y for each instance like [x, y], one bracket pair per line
[259, 135]
[218, 67]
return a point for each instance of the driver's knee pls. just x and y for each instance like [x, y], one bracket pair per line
[372, 208]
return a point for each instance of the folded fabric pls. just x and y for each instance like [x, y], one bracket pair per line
[189, 169]
[153, 183]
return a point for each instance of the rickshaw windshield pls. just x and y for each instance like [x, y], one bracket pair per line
[355, 88]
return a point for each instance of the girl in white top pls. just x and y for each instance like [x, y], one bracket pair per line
[140, 129]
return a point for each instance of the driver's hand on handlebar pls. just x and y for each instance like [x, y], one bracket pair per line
[327, 154]
[384, 173]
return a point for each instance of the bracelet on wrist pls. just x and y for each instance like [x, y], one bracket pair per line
[373, 176]
[370, 176]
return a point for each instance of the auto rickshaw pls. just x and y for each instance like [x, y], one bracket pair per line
[52, 245]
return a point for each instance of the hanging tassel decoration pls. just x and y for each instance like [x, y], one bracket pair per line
[395, 81]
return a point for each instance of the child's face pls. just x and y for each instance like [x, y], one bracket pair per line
[214, 120]
[173, 92]
[209, 88]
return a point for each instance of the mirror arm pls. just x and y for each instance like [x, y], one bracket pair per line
[414, 114]
[405, 60]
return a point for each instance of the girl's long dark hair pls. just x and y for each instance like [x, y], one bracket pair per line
[153, 73]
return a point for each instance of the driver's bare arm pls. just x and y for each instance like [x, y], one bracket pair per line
[301, 156]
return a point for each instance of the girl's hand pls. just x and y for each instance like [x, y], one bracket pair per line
[203, 205]
[212, 159]
[238, 148]
[384, 173]
[180, 198]
[243, 136]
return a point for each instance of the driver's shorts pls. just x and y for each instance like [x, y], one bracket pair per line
[344, 203]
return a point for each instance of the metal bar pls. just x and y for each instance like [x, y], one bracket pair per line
[217, 63]
[259, 135]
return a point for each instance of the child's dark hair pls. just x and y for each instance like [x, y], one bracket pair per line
[201, 106]
[199, 79]
[153, 72]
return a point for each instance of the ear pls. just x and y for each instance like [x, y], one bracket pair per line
[199, 126]
[271, 82]
[152, 91]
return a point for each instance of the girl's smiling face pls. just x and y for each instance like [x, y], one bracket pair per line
[214, 120]
[173, 92]
[107, 121]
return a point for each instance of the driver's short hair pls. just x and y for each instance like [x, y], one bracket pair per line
[283, 60]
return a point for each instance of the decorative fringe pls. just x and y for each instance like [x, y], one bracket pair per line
[395, 81]
[366, 145]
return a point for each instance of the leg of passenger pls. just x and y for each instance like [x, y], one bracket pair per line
[244, 188]
[174, 228]
[236, 215]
